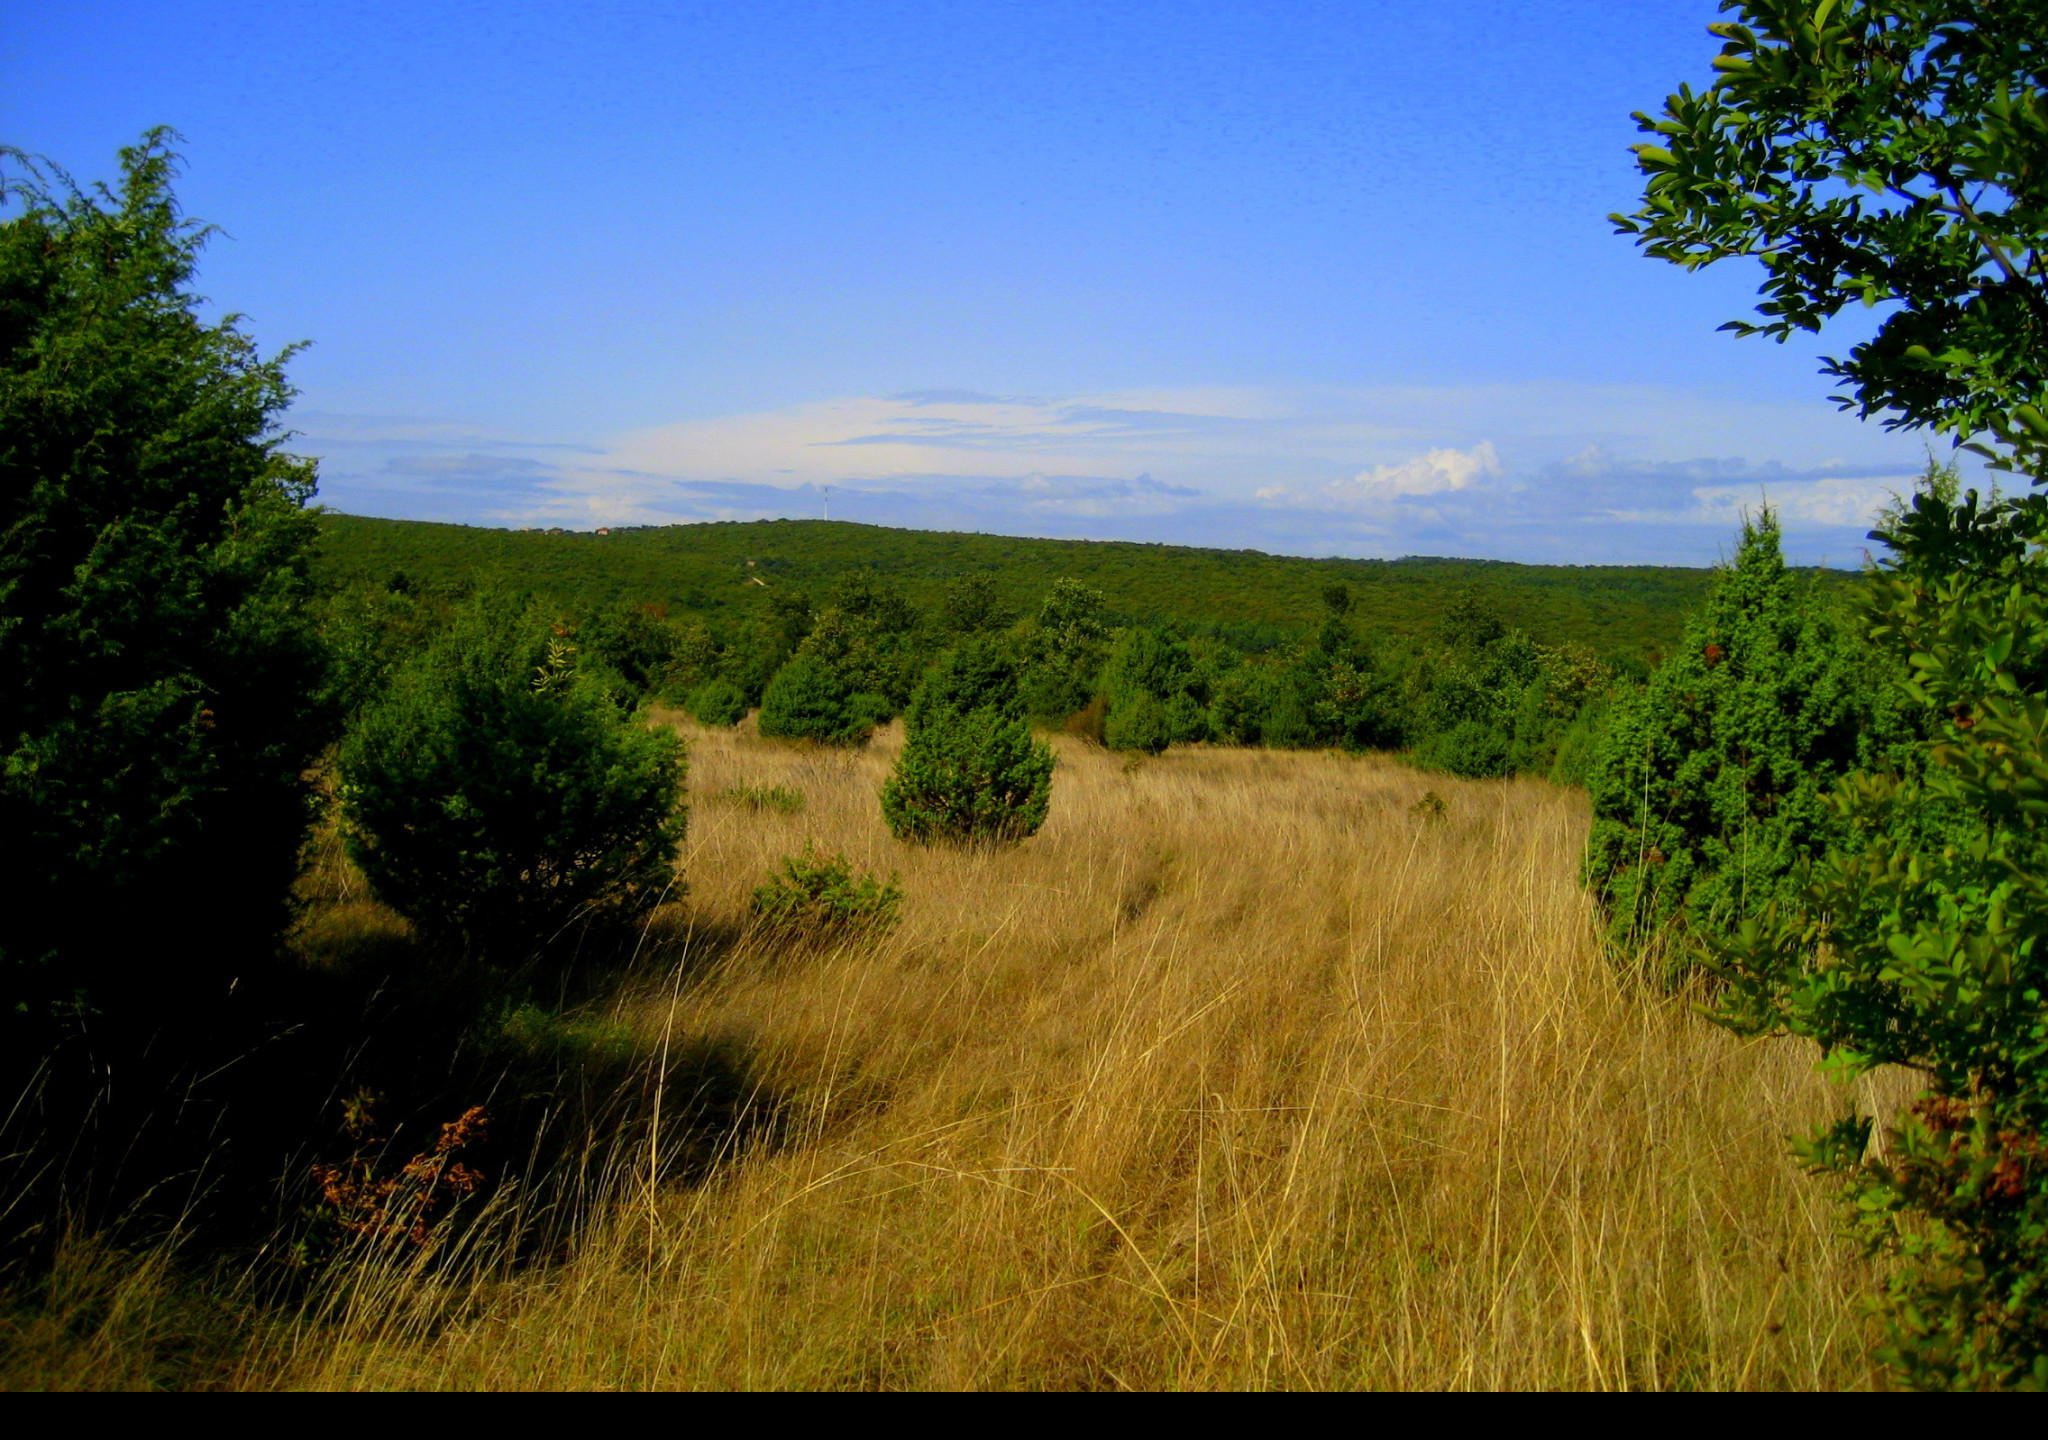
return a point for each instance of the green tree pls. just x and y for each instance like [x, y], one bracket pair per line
[1919, 941]
[370, 630]
[1877, 153]
[973, 605]
[1064, 650]
[1479, 696]
[1575, 702]
[1351, 701]
[866, 636]
[1138, 720]
[1153, 687]
[718, 702]
[1892, 155]
[495, 797]
[1710, 790]
[163, 676]
[637, 643]
[1239, 704]
[809, 699]
[777, 631]
[1469, 623]
[970, 769]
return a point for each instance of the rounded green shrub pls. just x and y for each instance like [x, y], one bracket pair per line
[809, 700]
[1137, 721]
[1286, 722]
[493, 798]
[821, 895]
[718, 702]
[1187, 721]
[865, 711]
[970, 769]
[1470, 748]
[1151, 681]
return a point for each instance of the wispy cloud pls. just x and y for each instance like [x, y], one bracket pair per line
[1534, 472]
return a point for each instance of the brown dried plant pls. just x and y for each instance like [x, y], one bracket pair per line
[373, 1204]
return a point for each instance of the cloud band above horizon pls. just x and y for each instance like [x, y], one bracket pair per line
[1541, 473]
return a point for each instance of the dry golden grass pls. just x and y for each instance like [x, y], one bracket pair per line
[1237, 1075]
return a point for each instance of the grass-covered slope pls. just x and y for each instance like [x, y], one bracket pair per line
[722, 572]
[1237, 1075]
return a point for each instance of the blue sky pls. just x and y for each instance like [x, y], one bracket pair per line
[1312, 278]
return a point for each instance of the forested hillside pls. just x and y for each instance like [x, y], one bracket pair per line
[720, 573]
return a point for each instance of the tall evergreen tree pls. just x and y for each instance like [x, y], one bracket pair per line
[1063, 649]
[160, 707]
[1156, 694]
[1709, 789]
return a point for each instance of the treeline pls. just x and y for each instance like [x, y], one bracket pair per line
[1470, 695]
[724, 573]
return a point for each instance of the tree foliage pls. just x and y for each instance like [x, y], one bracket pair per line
[1254, 602]
[640, 646]
[718, 702]
[970, 769]
[818, 896]
[973, 605]
[1896, 154]
[494, 796]
[1919, 941]
[1711, 788]
[1877, 153]
[1156, 693]
[809, 699]
[1064, 649]
[163, 679]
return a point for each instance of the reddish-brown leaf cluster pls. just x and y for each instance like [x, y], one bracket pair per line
[2014, 1154]
[404, 1202]
[1944, 1115]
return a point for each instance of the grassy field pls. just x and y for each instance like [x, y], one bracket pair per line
[1240, 1074]
[722, 573]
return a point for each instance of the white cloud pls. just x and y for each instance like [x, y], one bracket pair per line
[1439, 470]
[1834, 500]
[1434, 473]
[1801, 502]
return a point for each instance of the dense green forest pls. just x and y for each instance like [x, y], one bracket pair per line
[720, 573]
[1473, 667]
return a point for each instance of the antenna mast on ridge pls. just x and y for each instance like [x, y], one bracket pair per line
[828, 502]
